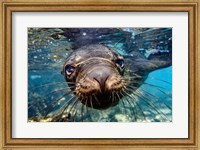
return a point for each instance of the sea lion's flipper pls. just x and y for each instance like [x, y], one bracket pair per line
[142, 65]
[160, 60]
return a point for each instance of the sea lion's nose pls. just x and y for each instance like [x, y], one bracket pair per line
[100, 75]
[101, 80]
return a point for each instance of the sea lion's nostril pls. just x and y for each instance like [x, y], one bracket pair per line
[101, 80]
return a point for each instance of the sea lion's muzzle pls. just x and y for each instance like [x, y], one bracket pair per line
[97, 82]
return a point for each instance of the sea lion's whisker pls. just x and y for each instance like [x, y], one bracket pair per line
[36, 61]
[151, 104]
[169, 83]
[117, 95]
[123, 96]
[64, 107]
[68, 82]
[134, 101]
[44, 97]
[160, 87]
[90, 99]
[117, 42]
[140, 95]
[110, 98]
[155, 97]
[140, 108]
[86, 105]
[97, 100]
[133, 78]
[52, 105]
[69, 111]
[38, 113]
[153, 86]
[74, 116]
[123, 110]
[49, 84]
[131, 88]
[137, 91]
[154, 78]
[123, 93]
[38, 110]
[149, 84]
[134, 112]
[130, 82]
[36, 69]
[113, 97]
[82, 108]
[133, 75]
[143, 90]
[74, 108]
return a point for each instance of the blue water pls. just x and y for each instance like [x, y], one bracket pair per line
[46, 57]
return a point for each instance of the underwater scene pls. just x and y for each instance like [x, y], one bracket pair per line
[99, 74]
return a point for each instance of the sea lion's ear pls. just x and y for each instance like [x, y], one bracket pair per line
[160, 60]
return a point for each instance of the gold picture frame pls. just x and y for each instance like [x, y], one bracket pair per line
[9, 6]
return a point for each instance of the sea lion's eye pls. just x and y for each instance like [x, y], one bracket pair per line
[120, 62]
[69, 70]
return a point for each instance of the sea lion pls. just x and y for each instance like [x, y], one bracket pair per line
[100, 77]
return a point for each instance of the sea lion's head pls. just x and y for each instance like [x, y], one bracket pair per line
[96, 73]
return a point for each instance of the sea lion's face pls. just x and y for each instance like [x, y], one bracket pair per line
[97, 73]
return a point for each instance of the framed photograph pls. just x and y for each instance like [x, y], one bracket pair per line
[107, 75]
